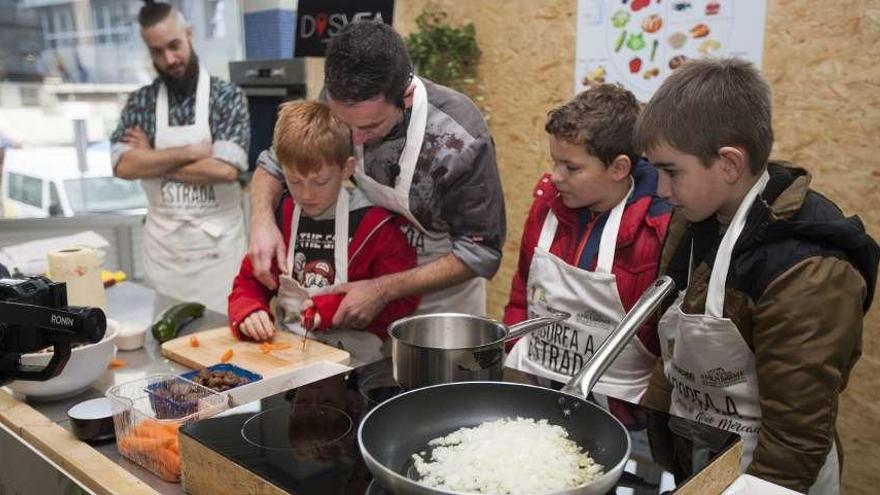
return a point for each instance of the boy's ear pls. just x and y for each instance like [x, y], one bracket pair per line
[734, 163]
[620, 167]
[348, 168]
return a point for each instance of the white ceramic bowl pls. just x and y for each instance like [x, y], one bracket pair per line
[86, 364]
[132, 335]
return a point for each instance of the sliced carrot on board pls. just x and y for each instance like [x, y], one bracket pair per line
[193, 341]
[117, 363]
[267, 347]
[226, 356]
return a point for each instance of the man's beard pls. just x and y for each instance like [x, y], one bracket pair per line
[186, 83]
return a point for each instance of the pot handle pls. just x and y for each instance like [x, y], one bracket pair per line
[582, 383]
[526, 327]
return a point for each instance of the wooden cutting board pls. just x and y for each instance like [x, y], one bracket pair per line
[214, 342]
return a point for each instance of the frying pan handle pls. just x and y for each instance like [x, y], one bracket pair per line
[529, 326]
[582, 383]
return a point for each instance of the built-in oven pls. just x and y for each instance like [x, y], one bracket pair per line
[267, 84]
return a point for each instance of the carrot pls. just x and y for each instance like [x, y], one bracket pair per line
[166, 468]
[117, 363]
[170, 459]
[171, 428]
[173, 446]
[267, 347]
[156, 445]
[148, 429]
[226, 356]
[139, 445]
[194, 341]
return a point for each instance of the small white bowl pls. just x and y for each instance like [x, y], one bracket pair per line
[132, 335]
[86, 364]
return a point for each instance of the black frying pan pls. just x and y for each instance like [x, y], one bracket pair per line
[396, 429]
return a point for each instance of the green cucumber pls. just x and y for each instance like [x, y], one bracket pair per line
[169, 323]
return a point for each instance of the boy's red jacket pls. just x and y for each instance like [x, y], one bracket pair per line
[378, 247]
[639, 241]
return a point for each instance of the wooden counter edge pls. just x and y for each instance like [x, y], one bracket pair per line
[91, 468]
[717, 476]
[204, 471]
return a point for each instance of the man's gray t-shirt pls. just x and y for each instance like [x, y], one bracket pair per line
[456, 187]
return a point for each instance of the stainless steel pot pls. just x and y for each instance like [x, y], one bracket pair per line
[453, 347]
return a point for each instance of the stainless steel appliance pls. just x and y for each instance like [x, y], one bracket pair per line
[267, 84]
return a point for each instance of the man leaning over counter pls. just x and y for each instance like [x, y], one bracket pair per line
[424, 152]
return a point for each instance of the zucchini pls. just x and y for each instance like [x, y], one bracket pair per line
[169, 323]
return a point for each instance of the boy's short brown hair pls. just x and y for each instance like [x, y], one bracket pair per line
[707, 104]
[601, 119]
[307, 136]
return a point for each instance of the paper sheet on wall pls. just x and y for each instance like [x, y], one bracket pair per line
[639, 42]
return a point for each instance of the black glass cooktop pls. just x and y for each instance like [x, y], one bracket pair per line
[304, 440]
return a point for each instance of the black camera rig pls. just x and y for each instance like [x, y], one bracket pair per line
[34, 315]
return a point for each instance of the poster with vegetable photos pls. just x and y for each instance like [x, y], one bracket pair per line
[637, 43]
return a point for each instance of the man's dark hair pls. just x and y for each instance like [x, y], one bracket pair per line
[153, 13]
[364, 60]
[707, 104]
[601, 119]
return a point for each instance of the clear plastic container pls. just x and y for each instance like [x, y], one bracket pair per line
[147, 413]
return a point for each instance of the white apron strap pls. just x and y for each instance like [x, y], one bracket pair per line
[415, 136]
[608, 241]
[340, 248]
[162, 109]
[718, 279]
[548, 231]
[203, 97]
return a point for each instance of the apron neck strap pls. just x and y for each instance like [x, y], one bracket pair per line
[548, 231]
[340, 247]
[718, 279]
[608, 241]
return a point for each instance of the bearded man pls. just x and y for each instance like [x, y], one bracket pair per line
[185, 136]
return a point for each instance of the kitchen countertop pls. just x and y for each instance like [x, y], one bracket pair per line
[132, 302]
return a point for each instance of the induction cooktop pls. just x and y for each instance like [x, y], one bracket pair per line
[304, 440]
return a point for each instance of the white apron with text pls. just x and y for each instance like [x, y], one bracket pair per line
[194, 233]
[591, 297]
[711, 367]
[362, 345]
[468, 297]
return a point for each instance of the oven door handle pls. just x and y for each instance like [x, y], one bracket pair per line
[264, 91]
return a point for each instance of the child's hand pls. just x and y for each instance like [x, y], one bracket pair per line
[258, 326]
[309, 317]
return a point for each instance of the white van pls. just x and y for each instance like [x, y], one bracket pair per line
[46, 182]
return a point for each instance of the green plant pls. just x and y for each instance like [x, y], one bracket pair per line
[444, 53]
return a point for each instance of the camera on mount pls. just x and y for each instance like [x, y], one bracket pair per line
[34, 315]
